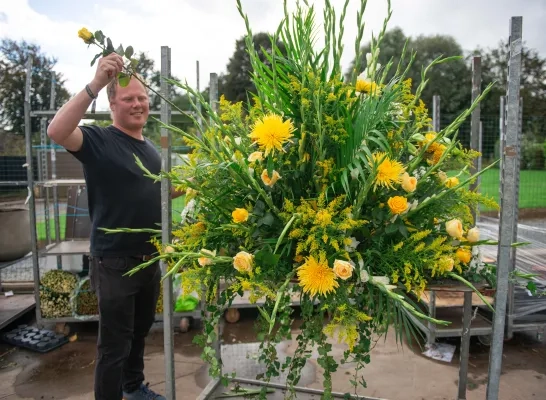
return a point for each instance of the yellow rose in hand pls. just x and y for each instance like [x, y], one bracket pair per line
[454, 228]
[464, 255]
[398, 204]
[270, 181]
[473, 235]
[343, 269]
[87, 36]
[239, 215]
[409, 183]
[243, 261]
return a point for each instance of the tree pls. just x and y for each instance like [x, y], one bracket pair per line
[13, 59]
[237, 83]
[450, 80]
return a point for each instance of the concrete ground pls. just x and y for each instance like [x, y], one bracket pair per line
[394, 373]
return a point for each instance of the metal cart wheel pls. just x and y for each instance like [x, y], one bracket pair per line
[485, 339]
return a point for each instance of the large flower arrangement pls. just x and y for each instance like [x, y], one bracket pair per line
[332, 191]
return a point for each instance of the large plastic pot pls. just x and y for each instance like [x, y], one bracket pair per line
[14, 232]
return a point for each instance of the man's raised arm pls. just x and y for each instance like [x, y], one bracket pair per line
[63, 129]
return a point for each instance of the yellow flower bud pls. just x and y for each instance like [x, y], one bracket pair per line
[169, 249]
[343, 269]
[473, 235]
[464, 255]
[452, 182]
[239, 215]
[243, 261]
[398, 204]
[85, 35]
[442, 176]
[270, 181]
[256, 156]
[409, 183]
[454, 228]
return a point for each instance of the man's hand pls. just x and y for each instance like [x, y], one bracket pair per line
[108, 67]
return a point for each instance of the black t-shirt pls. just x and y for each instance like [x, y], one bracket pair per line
[119, 195]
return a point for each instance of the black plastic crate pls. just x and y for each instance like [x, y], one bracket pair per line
[40, 340]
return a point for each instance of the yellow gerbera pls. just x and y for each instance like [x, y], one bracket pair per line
[316, 277]
[271, 132]
[388, 172]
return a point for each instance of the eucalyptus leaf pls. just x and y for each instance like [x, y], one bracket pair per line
[129, 52]
[123, 79]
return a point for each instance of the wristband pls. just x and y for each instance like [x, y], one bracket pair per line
[89, 92]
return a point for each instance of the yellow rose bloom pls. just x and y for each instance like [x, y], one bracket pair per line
[473, 235]
[452, 182]
[454, 228]
[398, 204]
[243, 261]
[85, 35]
[204, 261]
[239, 215]
[270, 181]
[256, 156]
[409, 183]
[464, 255]
[343, 269]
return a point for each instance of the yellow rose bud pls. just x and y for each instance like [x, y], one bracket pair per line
[454, 228]
[343, 269]
[464, 255]
[239, 215]
[169, 249]
[398, 204]
[409, 183]
[442, 176]
[204, 261]
[452, 182]
[270, 181]
[243, 261]
[473, 235]
[87, 36]
[256, 156]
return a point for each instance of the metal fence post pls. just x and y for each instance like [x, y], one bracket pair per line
[475, 132]
[31, 198]
[509, 202]
[436, 113]
[166, 225]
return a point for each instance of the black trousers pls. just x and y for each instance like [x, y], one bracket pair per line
[126, 313]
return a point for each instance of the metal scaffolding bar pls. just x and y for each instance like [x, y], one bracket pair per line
[31, 198]
[166, 225]
[475, 131]
[508, 203]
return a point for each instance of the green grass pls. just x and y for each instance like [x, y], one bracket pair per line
[532, 187]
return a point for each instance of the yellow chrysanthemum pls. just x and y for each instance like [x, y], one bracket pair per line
[388, 172]
[271, 132]
[365, 86]
[316, 277]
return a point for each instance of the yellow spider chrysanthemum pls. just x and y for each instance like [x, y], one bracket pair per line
[316, 277]
[388, 172]
[271, 132]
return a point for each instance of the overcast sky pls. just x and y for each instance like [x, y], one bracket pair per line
[206, 30]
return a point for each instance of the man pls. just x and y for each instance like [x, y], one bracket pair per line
[118, 196]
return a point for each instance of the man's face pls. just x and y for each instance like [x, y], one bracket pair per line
[131, 105]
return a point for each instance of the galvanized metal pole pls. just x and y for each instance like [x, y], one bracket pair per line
[465, 345]
[510, 300]
[475, 133]
[502, 138]
[43, 174]
[509, 202]
[32, 200]
[166, 225]
[436, 113]
[213, 102]
[56, 211]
